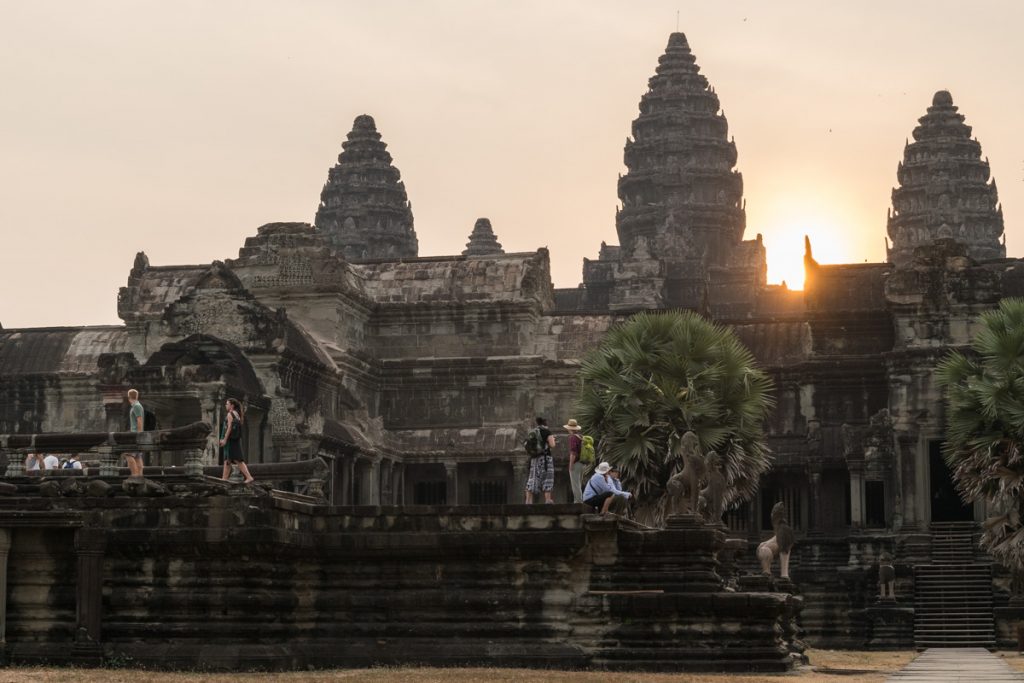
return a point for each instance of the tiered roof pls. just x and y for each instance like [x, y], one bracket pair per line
[482, 240]
[364, 210]
[681, 192]
[945, 189]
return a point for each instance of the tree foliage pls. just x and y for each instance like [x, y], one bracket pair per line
[660, 375]
[985, 426]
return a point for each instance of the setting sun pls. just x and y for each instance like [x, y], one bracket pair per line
[835, 226]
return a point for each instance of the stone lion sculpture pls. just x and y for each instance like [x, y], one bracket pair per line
[712, 496]
[683, 488]
[886, 577]
[778, 545]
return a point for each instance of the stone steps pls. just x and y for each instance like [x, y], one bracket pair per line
[953, 595]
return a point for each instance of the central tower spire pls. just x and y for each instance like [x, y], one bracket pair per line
[364, 210]
[681, 198]
[682, 217]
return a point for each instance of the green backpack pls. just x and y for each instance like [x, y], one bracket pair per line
[587, 451]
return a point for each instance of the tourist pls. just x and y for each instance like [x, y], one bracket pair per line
[601, 490]
[136, 420]
[73, 462]
[231, 441]
[51, 462]
[542, 465]
[33, 462]
[614, 476]
[576, 466]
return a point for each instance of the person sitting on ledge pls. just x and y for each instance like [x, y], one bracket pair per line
[602, 489]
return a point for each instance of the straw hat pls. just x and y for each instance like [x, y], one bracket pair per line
[573, 426]
[603, 468]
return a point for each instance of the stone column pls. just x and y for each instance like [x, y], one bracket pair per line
[399, 483]
[520, 472]
[451, 477]
[15, 461]
[108, 461]
[5, 548]
[194, 462]
[374, 482]
[90, 545]
[856, 499]
[815, 525]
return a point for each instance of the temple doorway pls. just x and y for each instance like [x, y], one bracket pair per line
[946, 503]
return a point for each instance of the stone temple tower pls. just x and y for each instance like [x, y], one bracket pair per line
[682, 212]
[680, 197]
[364, 211]
[945, 191]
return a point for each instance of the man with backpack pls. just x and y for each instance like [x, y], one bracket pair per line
[136, 419]
[539, 443]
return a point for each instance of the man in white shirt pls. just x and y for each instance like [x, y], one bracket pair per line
[51, 462]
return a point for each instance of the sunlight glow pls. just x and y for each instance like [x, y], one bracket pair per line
[834, 239]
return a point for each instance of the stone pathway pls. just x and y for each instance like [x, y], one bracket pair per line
[969, 664]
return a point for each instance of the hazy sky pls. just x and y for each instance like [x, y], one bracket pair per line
[180, 127]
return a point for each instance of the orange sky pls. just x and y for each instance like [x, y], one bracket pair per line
[179, 128]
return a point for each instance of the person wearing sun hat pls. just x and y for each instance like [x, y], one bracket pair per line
[601, 491]
[575, 466]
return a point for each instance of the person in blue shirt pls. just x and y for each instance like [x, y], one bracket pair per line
[603, 488]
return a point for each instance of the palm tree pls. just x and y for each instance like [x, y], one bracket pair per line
[660, 375]
[985, 434]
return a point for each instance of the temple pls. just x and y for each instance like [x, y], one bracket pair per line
[682, 217]
[364, 211]
[415, 378]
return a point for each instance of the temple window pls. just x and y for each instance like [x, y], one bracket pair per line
[430, 493]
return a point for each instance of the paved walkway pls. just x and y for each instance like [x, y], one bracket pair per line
[969, 664]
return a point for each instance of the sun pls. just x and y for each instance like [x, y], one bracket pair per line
[831, 241]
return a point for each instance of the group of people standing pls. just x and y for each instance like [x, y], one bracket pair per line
[602, 488]
[230, 442]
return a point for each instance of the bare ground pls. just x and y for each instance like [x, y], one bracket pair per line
[828, 666]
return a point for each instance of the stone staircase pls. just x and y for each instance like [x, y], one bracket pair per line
[953, 594]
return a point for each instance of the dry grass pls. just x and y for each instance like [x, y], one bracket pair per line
[1016, 661]
[870, 666]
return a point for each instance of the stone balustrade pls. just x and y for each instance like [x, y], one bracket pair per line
[107, 447]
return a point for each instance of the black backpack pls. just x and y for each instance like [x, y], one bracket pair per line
[534, 444]
[148, 421]
[236, 428]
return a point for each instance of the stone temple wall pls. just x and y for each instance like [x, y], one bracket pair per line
[271, 582]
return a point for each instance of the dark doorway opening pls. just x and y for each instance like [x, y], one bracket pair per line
[874, 504]
[946, 503]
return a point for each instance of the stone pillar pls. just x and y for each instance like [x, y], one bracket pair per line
[815, 525]
[399, 483]
[856, 499]
[349, 476]
[373, 482]
[366, 481]
[520, 472]
[5, 548]
[15, 461]
[90, 545]
[194, 462]
[451, 477]
[108, 461]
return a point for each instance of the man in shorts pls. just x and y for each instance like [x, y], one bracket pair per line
[136, 418]
[542, 466]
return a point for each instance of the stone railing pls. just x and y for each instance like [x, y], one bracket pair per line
[101, 451]
[107, 447]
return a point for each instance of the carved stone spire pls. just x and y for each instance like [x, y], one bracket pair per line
[482, 240]
[944, 190]
[364, 211]
[681, 198]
